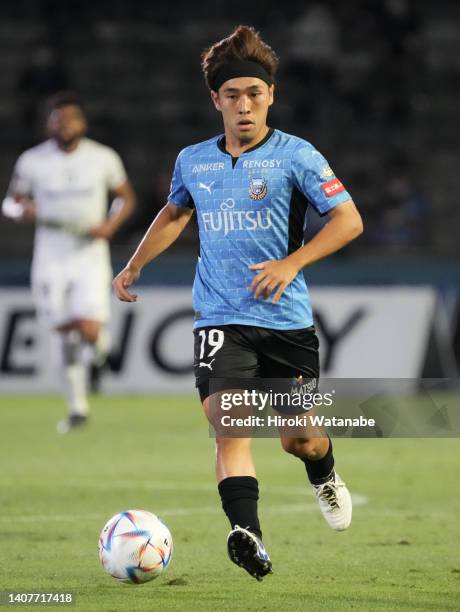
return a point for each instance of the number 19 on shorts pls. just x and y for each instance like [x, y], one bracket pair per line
[211, 340]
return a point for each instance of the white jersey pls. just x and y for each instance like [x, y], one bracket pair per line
[70, 191]
[71, 272]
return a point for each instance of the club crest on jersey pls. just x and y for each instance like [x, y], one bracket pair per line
[258, 188]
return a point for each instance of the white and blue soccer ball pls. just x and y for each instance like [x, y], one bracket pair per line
[135, 546]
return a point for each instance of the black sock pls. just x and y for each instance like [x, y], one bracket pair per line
[322, 470]
[239, 495]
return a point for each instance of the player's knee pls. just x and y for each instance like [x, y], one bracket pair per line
[226, 446]
[289, 445]
[89, 330]
[223, 442]
[301, 447]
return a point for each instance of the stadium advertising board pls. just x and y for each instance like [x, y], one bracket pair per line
[370, 332]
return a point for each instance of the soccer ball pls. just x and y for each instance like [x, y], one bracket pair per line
[135, 546]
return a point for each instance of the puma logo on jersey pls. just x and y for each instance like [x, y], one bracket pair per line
[206, 186]
[207, 365]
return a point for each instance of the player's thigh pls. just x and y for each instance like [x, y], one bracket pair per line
[289, 355]
[228, 419]
[228, 442]
[51, 291]
[91, 293]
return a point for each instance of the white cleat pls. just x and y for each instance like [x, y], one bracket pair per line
[335, 502]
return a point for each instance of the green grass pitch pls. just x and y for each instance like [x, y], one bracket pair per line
[56, 492]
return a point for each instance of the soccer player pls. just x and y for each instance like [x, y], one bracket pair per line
[250, 189]
[62, 185]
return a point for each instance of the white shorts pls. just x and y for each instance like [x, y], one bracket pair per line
[77, 287]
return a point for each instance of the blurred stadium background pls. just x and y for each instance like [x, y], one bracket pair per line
[372, 84]
[375, 86]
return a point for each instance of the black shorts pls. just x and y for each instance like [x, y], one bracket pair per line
[243, 351]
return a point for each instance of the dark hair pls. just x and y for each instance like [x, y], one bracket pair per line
[64, 98]
[243, 44]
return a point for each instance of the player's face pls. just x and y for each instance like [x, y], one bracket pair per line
[67, 125]
[244, 104]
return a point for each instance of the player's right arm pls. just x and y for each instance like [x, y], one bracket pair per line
[19, 207]
[18, 203]
[164, 230]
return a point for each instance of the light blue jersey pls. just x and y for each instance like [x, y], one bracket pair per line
[249, 210]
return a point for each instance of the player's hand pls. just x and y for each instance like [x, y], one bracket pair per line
[19, 208]
[127, 277]
[273, 274]
[103, 230]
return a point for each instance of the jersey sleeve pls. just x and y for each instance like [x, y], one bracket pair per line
[316, 180]
[116, 173]
[22, 180]
[179, 195]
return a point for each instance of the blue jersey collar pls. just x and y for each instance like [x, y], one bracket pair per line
[221, 143]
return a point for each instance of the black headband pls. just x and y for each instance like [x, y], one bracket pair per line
[239, 68]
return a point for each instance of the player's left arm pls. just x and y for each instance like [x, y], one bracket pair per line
[122, 207]
[344, 226]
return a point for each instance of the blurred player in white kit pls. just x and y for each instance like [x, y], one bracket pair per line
[63, 186]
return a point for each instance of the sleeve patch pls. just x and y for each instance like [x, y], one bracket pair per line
[332, 187]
